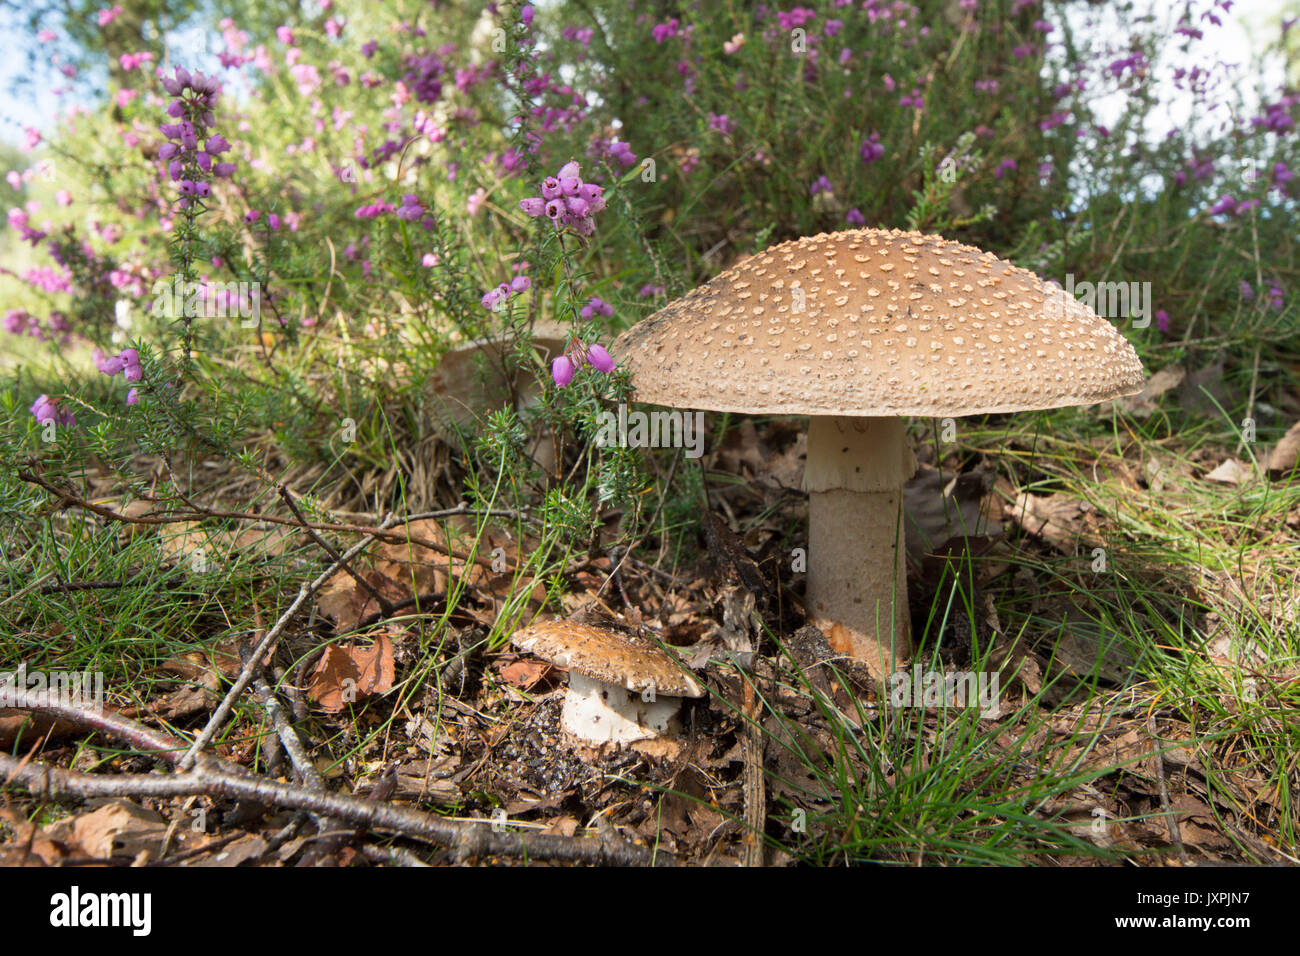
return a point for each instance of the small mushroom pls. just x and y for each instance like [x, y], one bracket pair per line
[622, 689]
[858, 330]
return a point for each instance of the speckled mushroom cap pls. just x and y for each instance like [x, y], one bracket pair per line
[871, 322]
[632, 662]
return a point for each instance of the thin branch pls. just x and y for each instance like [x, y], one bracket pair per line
[467, 840]
[385, 605]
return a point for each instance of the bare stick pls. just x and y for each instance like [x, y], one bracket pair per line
[755, 785]
[307, 772]
[138, 736]
[467, 840]
[1171, 820]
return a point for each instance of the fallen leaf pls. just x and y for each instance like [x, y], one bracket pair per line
[249, 847]
[1203, 392]
[524, 673]
[1231, 472]
[119, 829]
[348, 673]
[204, 547]
[777, 462]
[1285, 456]
[1057, 519]
[1144, 404]
[16, 725]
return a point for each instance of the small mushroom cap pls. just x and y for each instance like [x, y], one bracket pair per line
[870, 322]
[633, 663]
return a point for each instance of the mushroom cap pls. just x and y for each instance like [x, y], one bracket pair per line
[633, 663]
[870, 322]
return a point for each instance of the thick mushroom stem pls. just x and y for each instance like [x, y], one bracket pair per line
[598, 712]
[857, 581]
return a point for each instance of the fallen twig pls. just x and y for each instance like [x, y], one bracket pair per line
[1170, 819]
[466, 840]
[213, 777]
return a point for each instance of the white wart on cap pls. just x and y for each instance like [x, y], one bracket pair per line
[621, 688]
[859, 329]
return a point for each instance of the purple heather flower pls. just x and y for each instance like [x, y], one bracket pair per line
[593, 195]
[520, 284]
[600, 359]
[622, 153]
[46, 411]
[663, 31]
[596, 306]
[1226, 203]
[871, 149]
[561, 371]
[533, 206]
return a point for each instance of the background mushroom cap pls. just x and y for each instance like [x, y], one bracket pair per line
[892, 323]
[634, 663]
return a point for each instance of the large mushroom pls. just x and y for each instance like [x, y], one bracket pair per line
[858, 330]
[622, 689]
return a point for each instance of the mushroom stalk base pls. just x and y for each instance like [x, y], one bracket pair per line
[857, 572]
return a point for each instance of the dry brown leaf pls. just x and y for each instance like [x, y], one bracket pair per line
[525, 673]
[1285, 456]
[1231, 472]
[744, 452]
[203, 547]
[16, 724]
[348, 673]
[1057, 519]
[1204, 391]
[404, 570]
[119, 829]
[1144, 403]
[249, 847]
